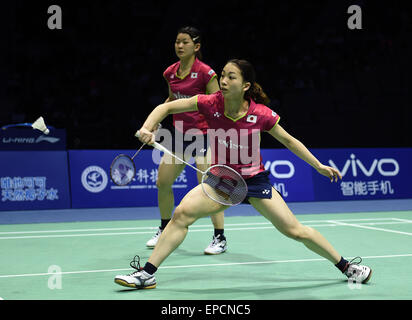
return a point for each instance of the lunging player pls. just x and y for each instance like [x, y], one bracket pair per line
[239, 105]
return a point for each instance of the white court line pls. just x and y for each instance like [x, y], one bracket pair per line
[130, 228]
[368, 227]
[201, 265]
[193, 226]
[402, 220]
[325, 223]
[210, 228]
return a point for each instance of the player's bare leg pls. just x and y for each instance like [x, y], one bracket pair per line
[193, 206]
[279, 214]
[169, 170]
[218, 245]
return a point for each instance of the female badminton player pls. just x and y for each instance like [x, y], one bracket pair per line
[186, 78]
[239, 105]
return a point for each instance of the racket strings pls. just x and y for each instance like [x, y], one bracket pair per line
[229, 186]
[122, 170]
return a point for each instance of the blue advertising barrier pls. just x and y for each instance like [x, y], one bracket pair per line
[291, 176]
[34, 180]
[40, 179]
[366, 174]
[26, 138]
[91, 185]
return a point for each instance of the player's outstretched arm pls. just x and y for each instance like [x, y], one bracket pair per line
[161, 112]
[302, 152]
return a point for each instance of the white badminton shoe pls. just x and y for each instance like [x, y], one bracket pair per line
[138, 279]
[153, 241]
[217, 246]
[358, 273]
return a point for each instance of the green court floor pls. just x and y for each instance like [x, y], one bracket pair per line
[79, 260]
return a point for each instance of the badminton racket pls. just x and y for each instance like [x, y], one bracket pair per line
[123, 169]
[219, 182]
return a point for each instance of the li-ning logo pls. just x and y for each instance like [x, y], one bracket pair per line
[30, 140]
[377, 164]
[48, 139]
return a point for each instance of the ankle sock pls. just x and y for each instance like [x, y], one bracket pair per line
[149, 268]
[220, 232]
[164, 223]
[342, 264]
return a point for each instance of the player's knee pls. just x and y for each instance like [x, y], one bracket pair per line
[298, 233]
[182, 216]
[163, 184]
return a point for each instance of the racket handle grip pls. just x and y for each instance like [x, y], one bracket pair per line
[159, 126]
[156, 145]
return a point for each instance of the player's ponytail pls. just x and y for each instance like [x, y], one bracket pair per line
[255, 92]
[194, 35]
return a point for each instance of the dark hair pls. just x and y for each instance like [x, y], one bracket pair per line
[255, 92]
[194, 35]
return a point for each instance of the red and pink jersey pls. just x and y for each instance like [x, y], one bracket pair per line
[236, 142]
[193, 84]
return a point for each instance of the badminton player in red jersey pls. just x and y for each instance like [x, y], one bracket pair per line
[186, 78]
[239, 106]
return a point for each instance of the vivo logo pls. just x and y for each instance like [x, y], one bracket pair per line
[272, 166]
[390, 169]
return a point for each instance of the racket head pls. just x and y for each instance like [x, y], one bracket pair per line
[122, 170]
[227, 186]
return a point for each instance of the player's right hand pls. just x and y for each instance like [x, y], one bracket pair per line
[145, 136]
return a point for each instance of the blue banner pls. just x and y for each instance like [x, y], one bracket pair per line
[92, 187]
[34, 180]
[40, 179]
[291, 176]
[26, 138]
[366, 174]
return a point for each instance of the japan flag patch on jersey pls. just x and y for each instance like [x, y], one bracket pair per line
[194, 75]
[251, 118]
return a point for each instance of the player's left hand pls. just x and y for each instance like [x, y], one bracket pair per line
[330, 172]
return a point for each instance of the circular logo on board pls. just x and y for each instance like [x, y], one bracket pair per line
[94, 179]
